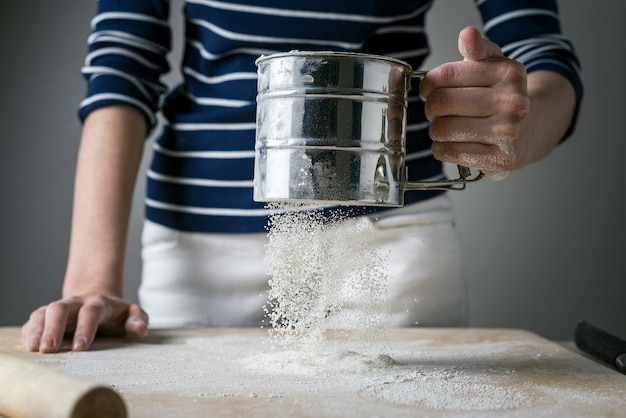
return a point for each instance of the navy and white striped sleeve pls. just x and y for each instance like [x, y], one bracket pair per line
[529, 31]
[128, 45]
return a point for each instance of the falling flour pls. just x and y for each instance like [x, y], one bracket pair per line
[326, 272]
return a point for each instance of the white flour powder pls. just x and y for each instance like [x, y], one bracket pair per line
[422, 377]
[324, 273]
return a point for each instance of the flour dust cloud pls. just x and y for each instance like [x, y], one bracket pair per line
[326, 272]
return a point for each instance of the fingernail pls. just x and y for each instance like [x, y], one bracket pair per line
[139, 326]
[79, 344]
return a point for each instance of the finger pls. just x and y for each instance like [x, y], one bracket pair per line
[59, 318]
[473, 47]
[461, 74]
[476, 94]
[90, 316]
[472, 71]
[137, 322]
[477, 102]
[33, 329]
[458, 129]
[492, 160]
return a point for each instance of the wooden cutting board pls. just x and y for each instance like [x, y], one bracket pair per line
[398, 373]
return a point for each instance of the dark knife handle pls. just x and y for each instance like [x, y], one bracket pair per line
[600, 345]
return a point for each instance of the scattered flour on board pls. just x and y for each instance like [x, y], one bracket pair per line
[424, 378]
[325, 272]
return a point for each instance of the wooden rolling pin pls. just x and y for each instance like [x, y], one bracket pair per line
[32, 390]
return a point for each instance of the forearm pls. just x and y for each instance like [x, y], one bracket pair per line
[109, 156]
[552, 104]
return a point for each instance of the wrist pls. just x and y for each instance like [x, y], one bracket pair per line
[87, 282]
[552, 105]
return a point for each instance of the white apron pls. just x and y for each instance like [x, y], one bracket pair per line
[221, 280]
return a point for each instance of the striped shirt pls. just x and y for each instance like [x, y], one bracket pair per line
[200, 177]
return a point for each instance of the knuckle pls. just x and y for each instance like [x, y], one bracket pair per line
[506, 163]
[96, 300]
[38, 313]
[516, 107]
[91, 309]
[94, 305]
[447, 73]
[98, 306]
[516, 102]
[505, 134]
[514, 73]
[57, 305]
[504, 159]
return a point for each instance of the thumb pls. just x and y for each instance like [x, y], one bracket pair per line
[137, 321]
[473, 47]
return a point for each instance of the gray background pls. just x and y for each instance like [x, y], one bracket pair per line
[543, 247]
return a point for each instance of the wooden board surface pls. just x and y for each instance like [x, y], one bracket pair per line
[400, 373]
